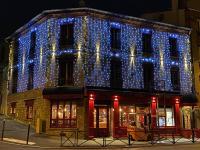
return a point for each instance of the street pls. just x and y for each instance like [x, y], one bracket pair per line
[10, 146]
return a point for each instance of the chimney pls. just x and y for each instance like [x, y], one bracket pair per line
[82, 3]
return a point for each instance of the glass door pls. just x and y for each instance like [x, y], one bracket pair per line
[101, 121]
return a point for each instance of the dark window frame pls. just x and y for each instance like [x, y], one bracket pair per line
[173, 48]
[148, 76]
[115, 38]
[147, 43]
[66, 122]
[66, 39]
[32, 45]
[116, 80]
[29, 108]
[175, 78]
[66, 70]
[13, 108]
[15, 80]
[30, 76]
[16, 53]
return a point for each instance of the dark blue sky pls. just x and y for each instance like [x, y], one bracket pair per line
[15, 13]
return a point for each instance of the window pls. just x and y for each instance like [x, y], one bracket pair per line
[175, 78]
[15, 69]
[146, 43]
[15, 53]
[115, 38]
[13, 108]
[133, 116]
[148, 75]
[66, 71]
[173, 48]
[30, 76]
[66, 36]
[14, 80]
[63, 114]
[116, 74]
[29, 109]
[166, 117]
[32, 46]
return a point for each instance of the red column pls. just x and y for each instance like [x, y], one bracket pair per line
[153, 112]
[116, 115]
[177, 113]
[91, 115]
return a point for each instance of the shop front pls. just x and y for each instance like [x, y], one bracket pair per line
[119, 113]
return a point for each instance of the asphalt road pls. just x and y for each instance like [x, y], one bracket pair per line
[9, 146]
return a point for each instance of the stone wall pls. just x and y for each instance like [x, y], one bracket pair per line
[41, 111]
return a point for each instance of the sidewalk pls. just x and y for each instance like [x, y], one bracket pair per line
[16, 132]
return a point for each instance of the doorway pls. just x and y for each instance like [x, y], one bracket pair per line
[101, 121]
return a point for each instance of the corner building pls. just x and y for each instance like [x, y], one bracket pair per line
[99, 72]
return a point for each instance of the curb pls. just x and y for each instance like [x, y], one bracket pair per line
[95, 147]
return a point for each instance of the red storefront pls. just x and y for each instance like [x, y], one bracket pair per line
[113, 112]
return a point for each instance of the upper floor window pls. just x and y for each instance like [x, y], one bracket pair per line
[32, 46]
[148, 76]
[116, 74]
[66, 36]
[173, 48]
[175, 78]
[15, 53]
[14, 80]
[115, 38]
[146, 43]
[66, 71]
[30, 76]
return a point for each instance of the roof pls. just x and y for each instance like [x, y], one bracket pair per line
[97, 13]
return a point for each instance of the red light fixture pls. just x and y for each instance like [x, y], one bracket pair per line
[91, 96]
[177, 101]
[153, 99]
[116, 98]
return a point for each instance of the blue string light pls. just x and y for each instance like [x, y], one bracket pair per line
[93, 55]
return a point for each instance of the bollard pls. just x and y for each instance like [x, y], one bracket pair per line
[3, 128]
[129, 139]
[193, 136]
[27, 139]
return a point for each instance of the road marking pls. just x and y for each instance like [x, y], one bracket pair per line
[17, 141]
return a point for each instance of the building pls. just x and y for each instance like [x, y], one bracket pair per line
[185, 13]
[3, 77]
[99, 72]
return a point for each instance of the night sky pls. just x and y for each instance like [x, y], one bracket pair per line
[15, 13]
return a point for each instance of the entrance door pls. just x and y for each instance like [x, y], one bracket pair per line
[101, 121]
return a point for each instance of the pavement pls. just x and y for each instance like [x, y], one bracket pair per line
[16, 133]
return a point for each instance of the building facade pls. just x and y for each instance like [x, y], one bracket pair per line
[185, 13]
[99, 72]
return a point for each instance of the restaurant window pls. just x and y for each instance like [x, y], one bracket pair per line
[132, 116]
[115, 38]
[146, 43]
[13, 108]
[14, 80]
[29, 109]
[175, 78]
[30, 76]
[165, 117]
[173, 48]
[63, 114]
[148, 76]
[66, 36]
[66, 66]
[116, 74]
